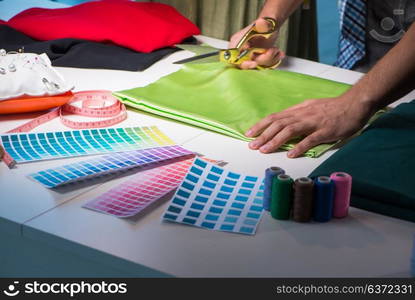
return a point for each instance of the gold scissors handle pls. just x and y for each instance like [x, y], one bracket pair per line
[237, 56]
[252, 32]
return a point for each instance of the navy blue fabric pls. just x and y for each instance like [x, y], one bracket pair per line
[81, 53]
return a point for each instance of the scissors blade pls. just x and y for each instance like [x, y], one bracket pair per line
[197, 57]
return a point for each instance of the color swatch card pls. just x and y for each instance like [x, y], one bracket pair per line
[214, 198]
[141, 190]
[107, 164]
[27, 147]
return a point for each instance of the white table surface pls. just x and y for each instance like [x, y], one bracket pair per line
[364, 244]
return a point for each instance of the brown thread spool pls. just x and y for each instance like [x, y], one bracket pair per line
[303, 199]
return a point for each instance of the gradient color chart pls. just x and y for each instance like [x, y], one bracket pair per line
[141, 190]
[107, 164]
[27, 147]
[214, 198]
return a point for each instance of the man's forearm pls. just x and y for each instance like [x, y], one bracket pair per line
[279, 9]
[391, 78]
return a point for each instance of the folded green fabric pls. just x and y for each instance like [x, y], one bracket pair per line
[382, 163]
[227, 100]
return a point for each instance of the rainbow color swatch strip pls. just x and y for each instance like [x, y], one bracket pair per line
[214, 198]
[27, 147]
[141, 190]
[107, 164]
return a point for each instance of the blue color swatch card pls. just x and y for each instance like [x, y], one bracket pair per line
[107, 164]
[214, 198]
[27, 147]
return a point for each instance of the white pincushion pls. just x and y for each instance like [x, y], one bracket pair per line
[29, 74]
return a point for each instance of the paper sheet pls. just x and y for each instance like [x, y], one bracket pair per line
[107, 164]
[215, 198]
[141, 190]
[27, 147]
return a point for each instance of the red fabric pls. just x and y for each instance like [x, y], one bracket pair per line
[2, 22]
[140, 26]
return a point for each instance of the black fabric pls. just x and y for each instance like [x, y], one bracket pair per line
[382, 162]
[81, 53]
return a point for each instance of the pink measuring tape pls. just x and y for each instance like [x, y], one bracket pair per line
[95, 104]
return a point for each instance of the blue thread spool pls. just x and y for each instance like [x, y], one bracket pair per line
[323, 199]
[270, 173]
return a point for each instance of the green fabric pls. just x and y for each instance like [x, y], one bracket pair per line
[222, 18]
[381, 162]
[228, 100]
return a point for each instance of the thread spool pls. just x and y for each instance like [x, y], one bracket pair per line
[343, 189]
[282, 186]
[303, 199]
[270, 173]
[323, 199]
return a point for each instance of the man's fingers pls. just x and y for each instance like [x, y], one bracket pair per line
[260, 126]
[249, 64]
[282, 137]
[237, 36]
[271, 131]
[269, 58]
[307, 143]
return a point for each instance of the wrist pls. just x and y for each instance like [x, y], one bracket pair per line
[363, 99]
[272, 10]
[279, 20]
[279, 10]
[361, 105]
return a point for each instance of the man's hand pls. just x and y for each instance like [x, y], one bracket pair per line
[270, 57]
[318, 120]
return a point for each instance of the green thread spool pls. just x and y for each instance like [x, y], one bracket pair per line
[281, 197]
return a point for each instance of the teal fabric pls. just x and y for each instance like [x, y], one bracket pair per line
[382, 162]
[227, 100]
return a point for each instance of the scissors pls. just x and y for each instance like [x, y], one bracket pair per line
[237, 55]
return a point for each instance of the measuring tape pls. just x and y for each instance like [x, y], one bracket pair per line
[95, 104]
